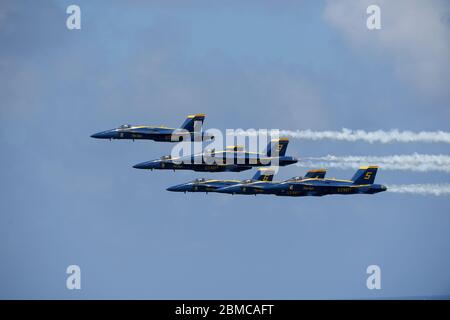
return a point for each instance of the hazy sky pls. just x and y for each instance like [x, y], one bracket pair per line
[69, 199]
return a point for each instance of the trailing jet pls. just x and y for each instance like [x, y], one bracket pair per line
[233, 159]
[191, 126]
[212, 185]
[249, 187]
[361, 183]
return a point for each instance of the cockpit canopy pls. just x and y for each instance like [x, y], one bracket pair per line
[200, 180]
[125, 126]
[166, 157]
[248, 181]
[296, 178]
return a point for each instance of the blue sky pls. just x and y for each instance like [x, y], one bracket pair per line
[69, 199]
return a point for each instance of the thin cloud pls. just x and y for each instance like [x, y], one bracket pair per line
[414, 36]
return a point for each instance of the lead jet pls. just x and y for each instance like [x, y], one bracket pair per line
[362, 182]
[233, 159]
[249, 187]
[212, 185]
[191, 126]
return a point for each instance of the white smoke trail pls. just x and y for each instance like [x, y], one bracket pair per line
[422, 189]
[413, 162]
[370, 136]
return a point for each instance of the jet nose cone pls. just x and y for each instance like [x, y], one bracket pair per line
[109, 134]
[96, 135]
[142, 165]
[146, 165]
[179, 188]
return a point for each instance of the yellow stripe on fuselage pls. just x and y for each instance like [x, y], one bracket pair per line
[208, 181]
[333, 179]
[151, 127]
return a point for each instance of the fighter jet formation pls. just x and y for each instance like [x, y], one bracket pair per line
[237, 159]
[312, 184]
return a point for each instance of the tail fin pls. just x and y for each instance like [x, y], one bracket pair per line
[277, 147]
[193, 122]
[365, 175]
[264, 174]
[319, 174]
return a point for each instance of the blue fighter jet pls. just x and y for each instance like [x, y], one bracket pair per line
[233, 159]
[249, 187]
[212, 185]
[361, 183]
[188, 131]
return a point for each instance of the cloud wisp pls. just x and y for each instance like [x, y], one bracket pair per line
[413, 162]
[413, 38]
[379, 136]
[421, 189]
